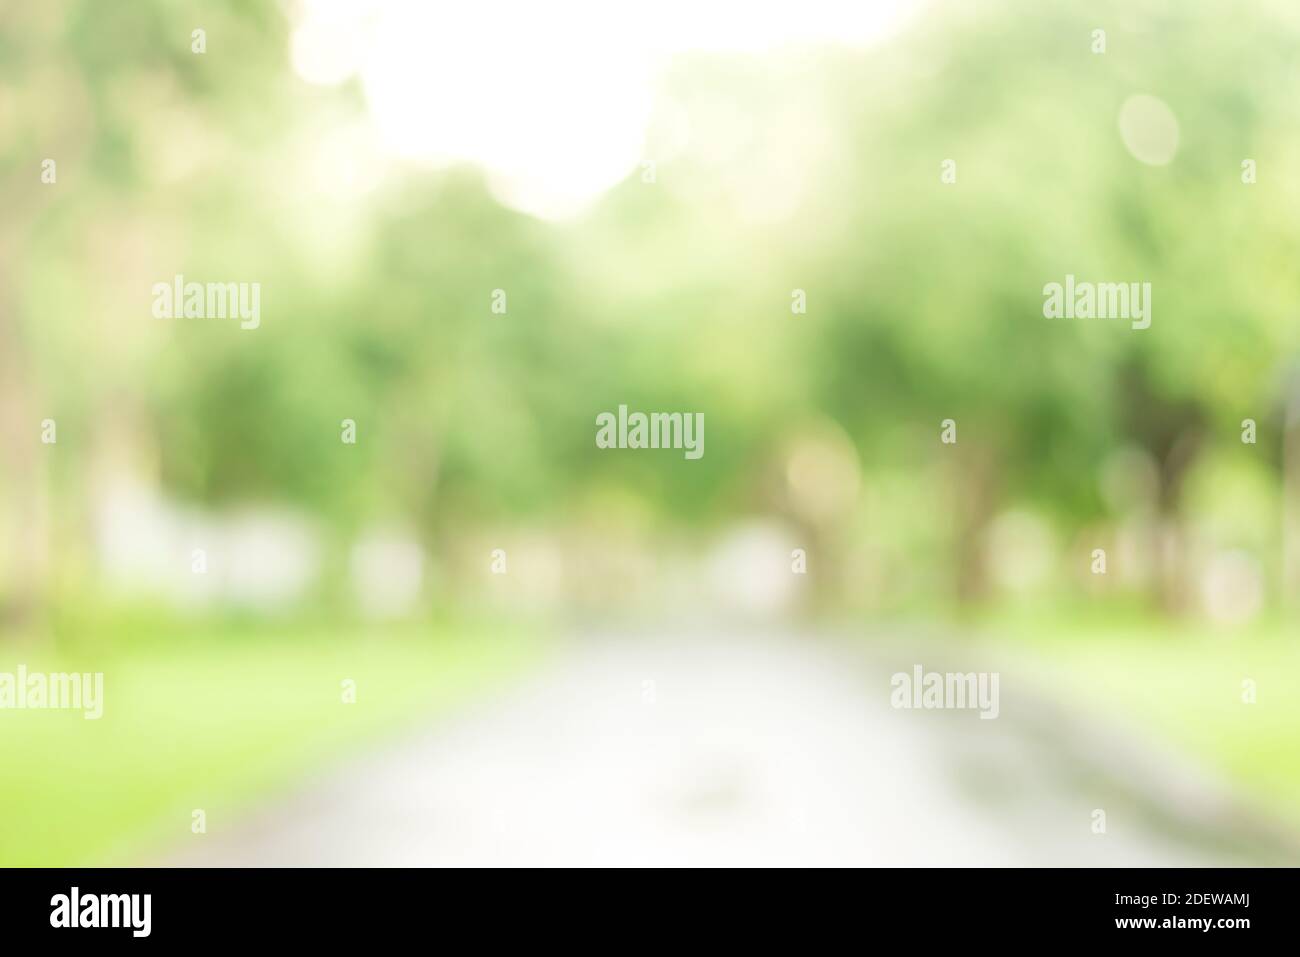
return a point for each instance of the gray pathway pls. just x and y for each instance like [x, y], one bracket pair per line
[719, 751]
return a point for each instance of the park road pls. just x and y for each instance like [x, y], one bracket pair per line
[709, 750]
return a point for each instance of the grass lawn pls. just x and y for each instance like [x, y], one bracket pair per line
[214, 724]
[1184, 685]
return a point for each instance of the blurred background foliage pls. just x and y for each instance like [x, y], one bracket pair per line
[924, 302]
[807, 168]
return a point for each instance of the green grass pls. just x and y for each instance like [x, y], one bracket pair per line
[1183, 684]
[211, 724]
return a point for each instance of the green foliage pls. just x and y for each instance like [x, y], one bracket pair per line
[925, 298]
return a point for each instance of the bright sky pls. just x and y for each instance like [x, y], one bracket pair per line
[551, 99]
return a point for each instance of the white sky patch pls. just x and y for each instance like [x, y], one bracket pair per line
[551, 100]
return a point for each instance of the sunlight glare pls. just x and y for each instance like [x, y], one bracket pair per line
[552, 101]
